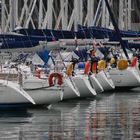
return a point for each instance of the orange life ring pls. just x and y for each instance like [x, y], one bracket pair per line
[87, 67]
[56, 75]
[134, 61]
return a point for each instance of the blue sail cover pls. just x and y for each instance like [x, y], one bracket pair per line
[100, 32]
[13, 41]
[60, 34]
[82, 33]
[44, 55]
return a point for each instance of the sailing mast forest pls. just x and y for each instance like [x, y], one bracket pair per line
[66, 14]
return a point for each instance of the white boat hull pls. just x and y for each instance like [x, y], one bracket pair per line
[84, 86]
[70, 89]
[67, 90]
[37, 90]
[45, 96]
[34, 83]
[12, 94]
[105, 80]
[95, 83]
[128, 78]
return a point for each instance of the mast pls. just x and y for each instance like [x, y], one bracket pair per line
[129, 14]
[117, 31]
[97, 14]
[2, 15]
[121, 14]
[40, 17]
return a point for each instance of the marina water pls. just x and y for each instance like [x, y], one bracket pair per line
[109, 116]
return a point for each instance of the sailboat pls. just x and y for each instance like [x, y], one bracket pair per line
[123, 70]
[27, 89]
[17, 90]
[78, 81]
[119, 77]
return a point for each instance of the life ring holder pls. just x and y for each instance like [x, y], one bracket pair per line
[56, 75]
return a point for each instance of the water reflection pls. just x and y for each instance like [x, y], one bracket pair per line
[110, 116]
[11, 121]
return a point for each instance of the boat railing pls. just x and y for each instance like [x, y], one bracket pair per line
[11, 76]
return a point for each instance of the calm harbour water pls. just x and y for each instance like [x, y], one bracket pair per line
[110, 116]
